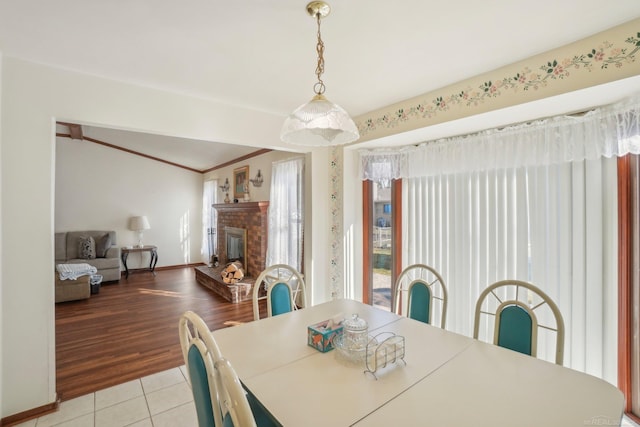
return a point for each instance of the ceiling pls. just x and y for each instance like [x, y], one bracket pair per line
[188, 153]
[261, 54]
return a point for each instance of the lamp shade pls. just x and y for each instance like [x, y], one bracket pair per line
[319, 123]
[138, 223]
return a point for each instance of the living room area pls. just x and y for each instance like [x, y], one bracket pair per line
[127, 325]
[99, 187]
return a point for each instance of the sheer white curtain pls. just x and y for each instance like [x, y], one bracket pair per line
[209, 220]
[536, 202]
[605, 132]
[286, 213]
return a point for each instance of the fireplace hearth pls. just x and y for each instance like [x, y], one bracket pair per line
[210, 277]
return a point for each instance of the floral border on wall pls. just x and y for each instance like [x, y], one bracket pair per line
[603, 56]
[335, 204]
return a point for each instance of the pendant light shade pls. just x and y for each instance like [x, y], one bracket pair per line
[319, 122]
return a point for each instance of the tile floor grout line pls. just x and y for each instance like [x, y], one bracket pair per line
[147, 402]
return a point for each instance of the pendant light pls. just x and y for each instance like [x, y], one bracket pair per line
[319, 122]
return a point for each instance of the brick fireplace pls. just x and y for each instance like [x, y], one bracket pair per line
[251, 216]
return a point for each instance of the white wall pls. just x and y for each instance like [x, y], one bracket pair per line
[33, 98]
[352, 190]
[318, 215]
[100, 188]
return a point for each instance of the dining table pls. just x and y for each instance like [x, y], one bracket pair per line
[441, 379]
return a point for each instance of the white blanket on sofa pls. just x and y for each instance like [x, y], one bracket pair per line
[73, 271]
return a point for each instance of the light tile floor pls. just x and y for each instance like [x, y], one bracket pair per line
[160, 400]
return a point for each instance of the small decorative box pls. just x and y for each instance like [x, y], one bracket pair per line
[320, 336]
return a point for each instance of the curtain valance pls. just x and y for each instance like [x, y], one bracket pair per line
[608, 131]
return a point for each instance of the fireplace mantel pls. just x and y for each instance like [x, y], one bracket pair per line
[251, 216]
[245, 206]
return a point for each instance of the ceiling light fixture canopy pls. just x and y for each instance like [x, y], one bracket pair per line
[319, 122]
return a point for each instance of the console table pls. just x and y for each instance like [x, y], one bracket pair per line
[153, 251]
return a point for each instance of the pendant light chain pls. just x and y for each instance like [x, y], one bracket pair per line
[319, 87]
[319, 122]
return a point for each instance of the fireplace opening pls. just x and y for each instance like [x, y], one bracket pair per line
[236, 244]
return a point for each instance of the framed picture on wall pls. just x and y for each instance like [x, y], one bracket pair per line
[240, 182]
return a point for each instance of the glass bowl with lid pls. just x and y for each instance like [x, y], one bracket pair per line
[355, 332]
[352, 343]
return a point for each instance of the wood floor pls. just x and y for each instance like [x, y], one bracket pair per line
[130, 330]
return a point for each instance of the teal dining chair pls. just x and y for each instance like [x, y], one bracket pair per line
[417, 289]
[218, 395]
[515, 307]
[283, 289]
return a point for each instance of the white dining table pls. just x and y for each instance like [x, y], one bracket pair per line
[447, 379]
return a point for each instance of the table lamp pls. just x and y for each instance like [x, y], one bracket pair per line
[139, 223]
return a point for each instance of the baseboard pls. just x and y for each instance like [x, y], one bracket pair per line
[173, 267]
[30, 414]
[164, 267]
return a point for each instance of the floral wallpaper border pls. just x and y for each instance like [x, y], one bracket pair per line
[604, 55]
[335, 204]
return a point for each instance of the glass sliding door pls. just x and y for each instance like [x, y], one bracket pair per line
[381, 253]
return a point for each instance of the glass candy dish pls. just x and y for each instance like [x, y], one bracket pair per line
[352, 343]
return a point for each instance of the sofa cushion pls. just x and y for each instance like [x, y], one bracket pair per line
[103, 243]
[86, 247]
[73, 236]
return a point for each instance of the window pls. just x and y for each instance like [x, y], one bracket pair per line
[209, 220]
[286, 214]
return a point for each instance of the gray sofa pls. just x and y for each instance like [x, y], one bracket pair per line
[105, 255]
